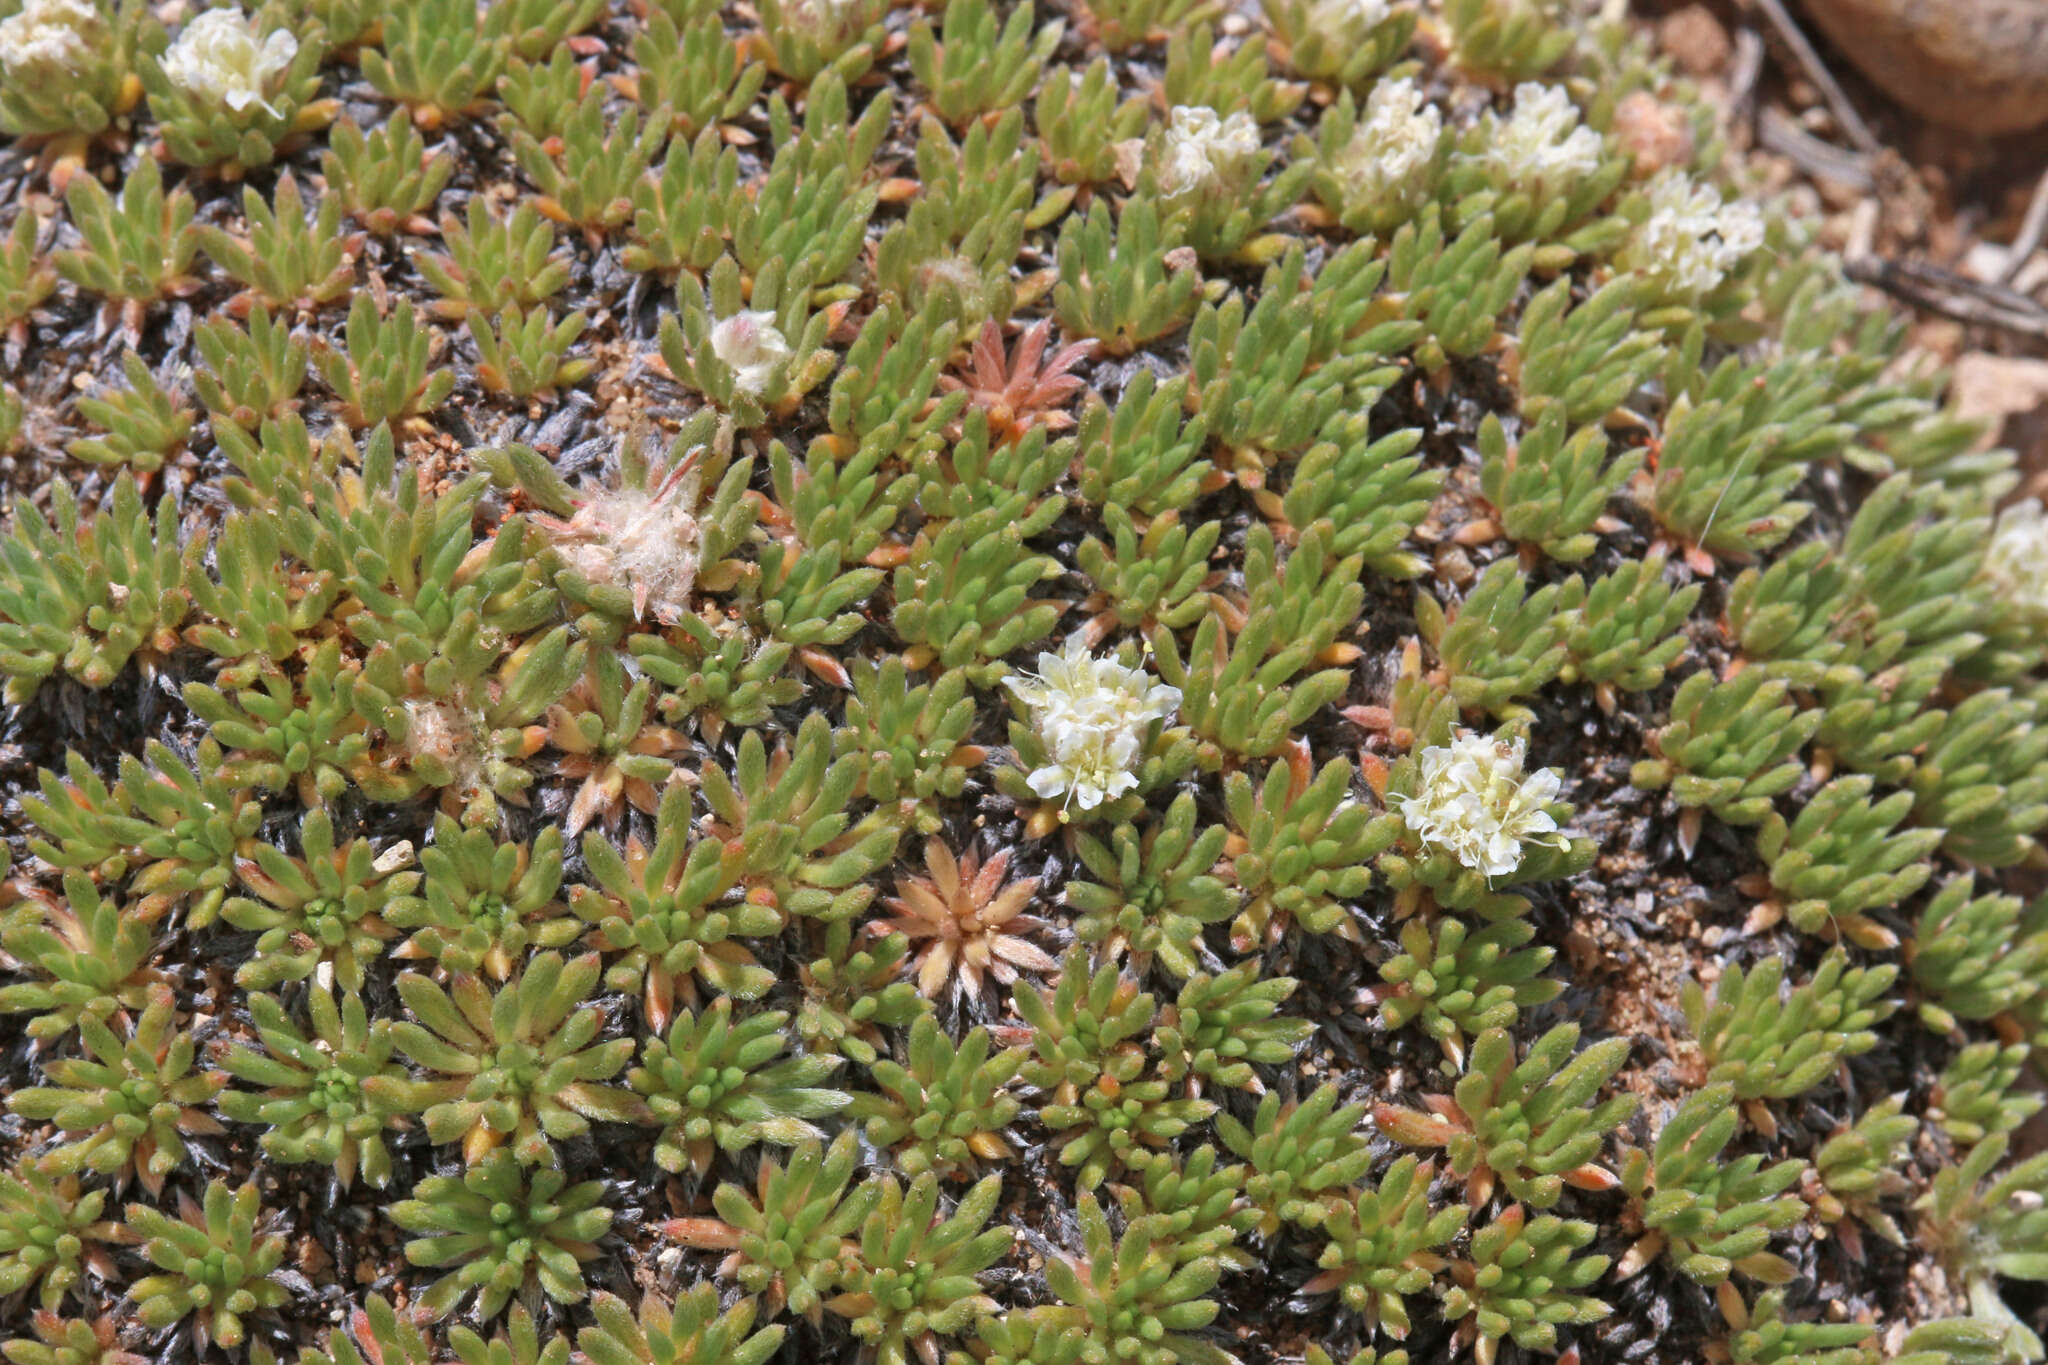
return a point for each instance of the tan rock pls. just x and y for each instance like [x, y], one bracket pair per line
[1977, 65]
[1695, 40]
[1997, 388]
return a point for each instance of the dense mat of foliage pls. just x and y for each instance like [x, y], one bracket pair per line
[829, 680]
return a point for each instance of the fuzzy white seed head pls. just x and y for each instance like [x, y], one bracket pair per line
[1542, 146]
[2017, 560]
[1474, 802]
[447, 731]
[751, 347]
[652, 549]
[644, 540]
[1092, 715]
[49, 35]
[220, 57]
[1395, 142]
[1204, 153]
[1691, 240]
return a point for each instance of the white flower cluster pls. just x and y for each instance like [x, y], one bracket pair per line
[1395, 141]
[221, 58]
[1691, 239]
[48, 34]
[1092, 715]
[823, 21]
[1495, 16]
[1542, 146]
[1474, 802]
[751, 347]
[2017, 560]
[1349, 21]
[1205, 153]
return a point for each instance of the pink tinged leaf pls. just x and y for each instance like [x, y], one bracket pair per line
[1025, 954]
[1689, 821]
[938, 965]
[1412, 1127]
[590, 798]
[1590, 1177]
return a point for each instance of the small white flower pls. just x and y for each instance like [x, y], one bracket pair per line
[1204, 152]
[820, 20]
[47, 34]
[1497, 15]
[2018, 558]
[751, 348]
[1092, 716]
[221, 57]
[1691, 240]
[1474, 802]
[1349, 21]
[1395, 141]
[1542, 145]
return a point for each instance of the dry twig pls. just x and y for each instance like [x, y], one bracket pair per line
[1845, 113]
[1815, 156]
[2031, 228]
[1953, 295]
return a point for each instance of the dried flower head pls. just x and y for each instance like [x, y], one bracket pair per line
[643, 537]
[49, 34]
[964, 919]
[1691, 240]
[1092, 715]
[1542, 146]
[751, 347]
[221, 56]
[1206, 154]
[2018, 558]
[1396, 140]
[1474, 802]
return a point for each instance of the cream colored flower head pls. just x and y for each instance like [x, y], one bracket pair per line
[49, 35]
[1092, 716]
[1691, 240]
[1542, 145]
[1204, 152]
[751, 347]
[1347, 20]
[220, 57]
[2018, 558]
[1395, 142]
[821, 20]
[1494, 15]
[1474, 802]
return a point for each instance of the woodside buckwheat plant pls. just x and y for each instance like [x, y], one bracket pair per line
[1107, 682]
